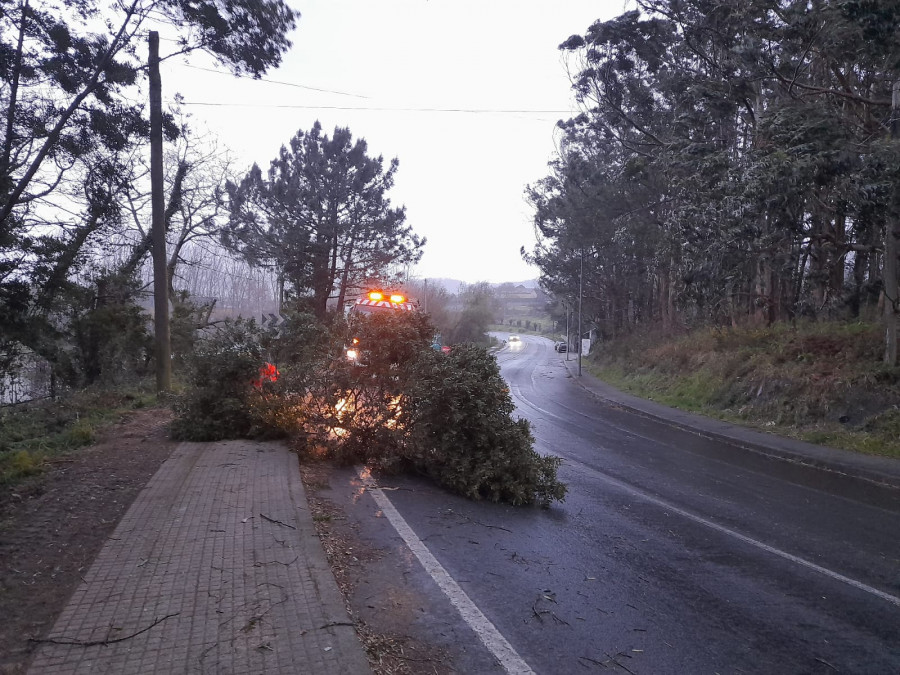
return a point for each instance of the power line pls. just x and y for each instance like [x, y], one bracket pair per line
[501, 111]
[286, 84]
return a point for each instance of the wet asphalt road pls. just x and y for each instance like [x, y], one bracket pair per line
[671, 553]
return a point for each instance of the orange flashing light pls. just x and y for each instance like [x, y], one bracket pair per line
[397, 299]
[376, 295]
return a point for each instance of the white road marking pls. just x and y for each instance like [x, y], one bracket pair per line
[517, 393]
[892, 599]
[478, 622]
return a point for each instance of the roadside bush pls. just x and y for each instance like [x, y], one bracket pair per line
[229, 396]
[188, 319]
[221, 401]
[109, 340]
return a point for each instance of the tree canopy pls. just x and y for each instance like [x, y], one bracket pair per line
[73, 126]
[321, 217]
[732, 163]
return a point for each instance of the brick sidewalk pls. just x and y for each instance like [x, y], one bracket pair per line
[215, 568]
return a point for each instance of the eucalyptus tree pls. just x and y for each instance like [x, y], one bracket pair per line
[616, 182]
[321, 218]
[758, 133]
[817, 174]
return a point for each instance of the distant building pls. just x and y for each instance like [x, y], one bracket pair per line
[520, 300]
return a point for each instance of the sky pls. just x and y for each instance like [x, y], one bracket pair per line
[403, 74]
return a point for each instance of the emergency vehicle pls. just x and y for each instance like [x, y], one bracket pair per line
[376, 302]
[381, 301]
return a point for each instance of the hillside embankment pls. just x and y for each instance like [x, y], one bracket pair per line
[824, 383]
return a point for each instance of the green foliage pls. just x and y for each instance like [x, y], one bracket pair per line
[400, 406]
[20, 464]
[220, 400]
[818, 381]
[111, 338]
[461, 431]
[362, 399]
[185, 322]
[323, 199]
[32, 433]
[227, 396]
[480, 306]
[447, 416]
[700, 187]
[95, 333]
[81, 433]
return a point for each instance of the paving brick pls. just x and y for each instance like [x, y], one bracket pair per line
[215, 568]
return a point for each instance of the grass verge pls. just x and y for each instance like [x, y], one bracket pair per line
[823, 383]
[33, 433]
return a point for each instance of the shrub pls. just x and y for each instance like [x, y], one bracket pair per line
[462, 433]
[220, 401]
[448, 416]
[248, 382]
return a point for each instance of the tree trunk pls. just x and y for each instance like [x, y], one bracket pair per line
[158, 229]
[5, 169]
[890, 253]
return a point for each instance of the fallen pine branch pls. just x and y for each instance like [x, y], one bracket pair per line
[94, 643]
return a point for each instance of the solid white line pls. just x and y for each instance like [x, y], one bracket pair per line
[478, 622]
[894, 600]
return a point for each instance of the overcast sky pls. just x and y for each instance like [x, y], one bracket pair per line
[392, 71]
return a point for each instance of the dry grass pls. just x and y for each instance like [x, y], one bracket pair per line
[820, 382]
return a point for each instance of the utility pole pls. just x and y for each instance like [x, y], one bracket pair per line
[580, 294]
[890, 252]
[568, 339]
[163, 348]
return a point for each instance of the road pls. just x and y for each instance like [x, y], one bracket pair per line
[671, 554]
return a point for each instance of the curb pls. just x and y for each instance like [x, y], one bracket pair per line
[881, 471]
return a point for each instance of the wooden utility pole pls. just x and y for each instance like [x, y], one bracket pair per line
[158, 227]
[580, 296]
[890, 252]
